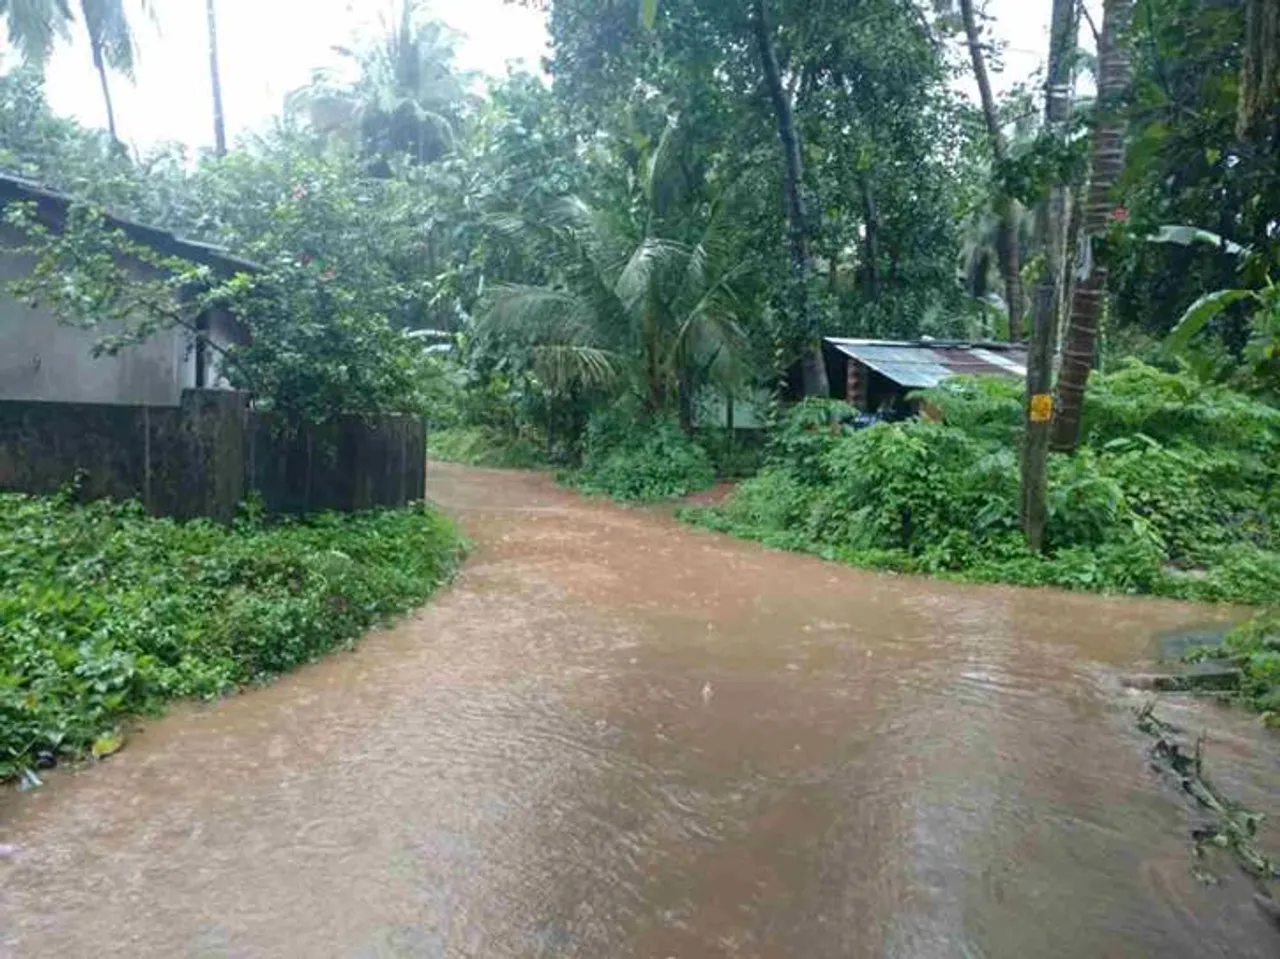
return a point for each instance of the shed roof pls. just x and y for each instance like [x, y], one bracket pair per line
[917, 364]
[16, 188]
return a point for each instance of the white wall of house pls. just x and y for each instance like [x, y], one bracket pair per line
[42, 358]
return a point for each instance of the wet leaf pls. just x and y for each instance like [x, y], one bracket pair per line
[106, 745]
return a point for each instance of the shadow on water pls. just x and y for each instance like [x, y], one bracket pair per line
[618, 737]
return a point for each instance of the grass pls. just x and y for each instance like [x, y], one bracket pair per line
[106, 612]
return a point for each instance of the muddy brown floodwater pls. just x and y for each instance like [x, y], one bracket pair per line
[617, 737]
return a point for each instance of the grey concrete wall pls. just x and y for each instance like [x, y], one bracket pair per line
[42, 358]
[202, 457]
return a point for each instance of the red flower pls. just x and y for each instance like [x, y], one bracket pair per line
[299, 192]
[1119, 215]
[328, 274]
[306, 259]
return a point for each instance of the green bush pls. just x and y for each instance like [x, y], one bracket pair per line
[1190, 512]
[1177, 408]
[807, 433]
[636, 461]
[1255, 644]
[105, 611]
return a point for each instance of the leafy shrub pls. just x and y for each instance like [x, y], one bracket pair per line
[1177, 408]
[1255, 644]
[1191, 514]
[106, 611]
[807, 433]
[641, 462]
[773, 501]
[985, 407]
[733, 456]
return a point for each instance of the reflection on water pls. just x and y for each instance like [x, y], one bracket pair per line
[616, 737]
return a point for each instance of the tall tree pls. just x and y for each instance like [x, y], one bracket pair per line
[1051, 224]
[813, 367]
[406, 99]
[219, 120]
[111, 45]
[1260, 72]
[1007, 242]
[1115, 73]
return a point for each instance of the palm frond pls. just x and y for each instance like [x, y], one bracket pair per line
[561, 365]
[34, 26]
[647, 270]
[661, 169]
[540, 316]
[598, 235]
[713, 319]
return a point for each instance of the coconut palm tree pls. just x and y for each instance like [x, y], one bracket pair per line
[627, 307]
[112, 46]
[35, 25]
[406, 98]
[1115, 73]
[1007, 246]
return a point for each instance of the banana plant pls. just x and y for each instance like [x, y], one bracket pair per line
[1262, 352]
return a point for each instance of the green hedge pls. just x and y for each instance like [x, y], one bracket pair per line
[1177, 492]
[105, 611]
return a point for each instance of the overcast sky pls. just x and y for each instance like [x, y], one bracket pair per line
[269, 47]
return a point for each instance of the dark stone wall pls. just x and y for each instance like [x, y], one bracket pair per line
[201, 458]
[347, 464]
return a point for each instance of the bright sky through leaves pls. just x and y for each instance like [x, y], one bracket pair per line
[270, 47]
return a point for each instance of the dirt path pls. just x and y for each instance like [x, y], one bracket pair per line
[616, 737]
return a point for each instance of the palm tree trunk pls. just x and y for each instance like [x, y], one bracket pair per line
[813, 368]
[1115, 71]
[1050, 225]
[1007, 238]
[100, 65]
[219, 120]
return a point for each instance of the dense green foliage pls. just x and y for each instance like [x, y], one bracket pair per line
[484, 446]
[107, 611]
[656, 461]
[1257, 642]
[1177, 492]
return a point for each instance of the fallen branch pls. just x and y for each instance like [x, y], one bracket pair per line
[1234, 827]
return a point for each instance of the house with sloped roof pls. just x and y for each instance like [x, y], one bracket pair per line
[45, 359]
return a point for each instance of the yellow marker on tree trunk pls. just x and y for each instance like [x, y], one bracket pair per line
[1042, 408]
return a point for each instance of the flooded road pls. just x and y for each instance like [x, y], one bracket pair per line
[617, 737]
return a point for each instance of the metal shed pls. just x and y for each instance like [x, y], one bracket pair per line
[874, 374]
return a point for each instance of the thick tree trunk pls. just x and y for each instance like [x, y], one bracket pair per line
[219, 119]
[1050, 225]
[1115, 70]
[813, 368]
[1259, 95]
[1007, 239]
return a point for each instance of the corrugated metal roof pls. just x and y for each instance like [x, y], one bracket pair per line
[918, 364]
